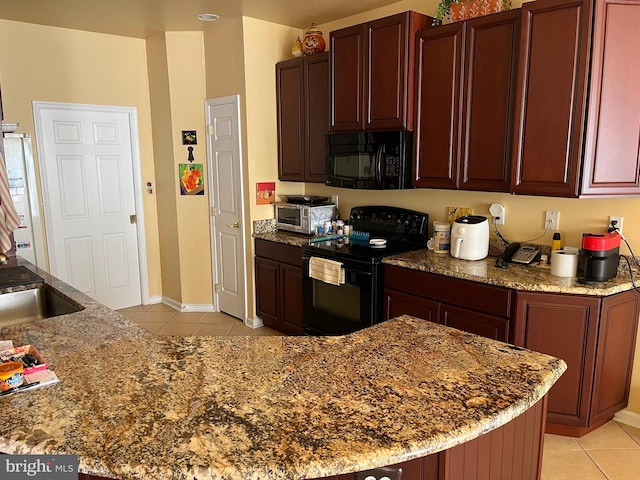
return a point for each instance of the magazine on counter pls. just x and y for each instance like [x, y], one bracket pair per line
[33, 381]
[35, 372]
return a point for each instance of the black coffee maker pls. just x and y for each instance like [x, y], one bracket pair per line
[599, 257]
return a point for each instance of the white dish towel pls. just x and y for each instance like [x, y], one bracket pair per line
[9, 220]
[328, 271]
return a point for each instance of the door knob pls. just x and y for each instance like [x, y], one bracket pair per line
[233, 225]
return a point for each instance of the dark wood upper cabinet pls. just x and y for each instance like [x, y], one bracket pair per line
[371, 71]
[302, 88]
[576, 131]
[437, 116]
[551, 97]
[347, 78]
[491, 63]
[612, 158]
[465, 87]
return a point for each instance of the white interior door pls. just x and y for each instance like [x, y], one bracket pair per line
[86, 156]
[225, 194]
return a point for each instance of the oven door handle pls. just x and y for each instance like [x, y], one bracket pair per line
[348, 269]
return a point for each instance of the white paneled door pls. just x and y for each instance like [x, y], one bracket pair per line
[225, 183]
[86, 157]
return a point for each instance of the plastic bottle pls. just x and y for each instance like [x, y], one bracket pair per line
[555, 243]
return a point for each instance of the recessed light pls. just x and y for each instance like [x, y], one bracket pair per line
[208, 17]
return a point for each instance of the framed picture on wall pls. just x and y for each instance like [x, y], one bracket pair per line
[265, 192]
[191, 178]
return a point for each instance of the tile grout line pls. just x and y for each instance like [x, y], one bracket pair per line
[595, 463]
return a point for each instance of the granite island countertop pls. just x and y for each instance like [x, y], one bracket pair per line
[135, 405]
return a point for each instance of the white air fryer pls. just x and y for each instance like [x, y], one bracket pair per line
[470, 238]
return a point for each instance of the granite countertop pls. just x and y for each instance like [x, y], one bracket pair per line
[519, 277]
[294, 239]
[135, 405]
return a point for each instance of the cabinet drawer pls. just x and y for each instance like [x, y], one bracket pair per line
[463, 293]
[486, 325]
[279, 252]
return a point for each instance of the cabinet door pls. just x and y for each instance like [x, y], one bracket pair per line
[566, 327]
[347, 71]
[474, 322]
[268, 292]
[615, 353]
[611, 161]
[437, 116]
[291, 119]
[551, 97]
[491, 50]
[317, 103]
[386, 65]
[291, 300]
[398, 303]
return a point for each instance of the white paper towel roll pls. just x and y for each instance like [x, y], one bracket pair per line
[564, 263]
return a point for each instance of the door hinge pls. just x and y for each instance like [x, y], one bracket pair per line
[213, 211]
[133, 219]
[210, 128]
[217, 288]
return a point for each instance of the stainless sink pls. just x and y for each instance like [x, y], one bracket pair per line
[34, 304]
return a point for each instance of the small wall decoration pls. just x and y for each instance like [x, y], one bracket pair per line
[191, 178]
[189, 137]
[265, 193]
[456, 212]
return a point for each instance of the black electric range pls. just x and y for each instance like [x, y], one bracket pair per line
[358, 303]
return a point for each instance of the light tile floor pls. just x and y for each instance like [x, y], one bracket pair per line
[165, 320]
[612, 452]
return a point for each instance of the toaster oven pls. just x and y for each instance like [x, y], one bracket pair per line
[300, 218]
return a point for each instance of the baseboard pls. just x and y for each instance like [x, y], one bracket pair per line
[197, 307]
[182, 307]
[172, 303]
[254, 322]
[154, 300]
[628, 417]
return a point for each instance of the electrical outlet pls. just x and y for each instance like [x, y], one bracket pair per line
[497, 211]
[334, 199]
[551, 220]
[618, 221]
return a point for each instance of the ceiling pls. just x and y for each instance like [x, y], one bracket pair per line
[146, 18]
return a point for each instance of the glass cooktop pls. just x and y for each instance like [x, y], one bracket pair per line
[358, 250]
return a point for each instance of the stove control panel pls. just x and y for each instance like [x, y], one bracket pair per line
[392, 221]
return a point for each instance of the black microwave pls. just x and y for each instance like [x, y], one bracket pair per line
[369, 160]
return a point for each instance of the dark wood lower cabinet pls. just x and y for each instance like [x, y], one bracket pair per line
[470, 306]
[279, 286]
[479, 323]
[596, 338]
[510, 452]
